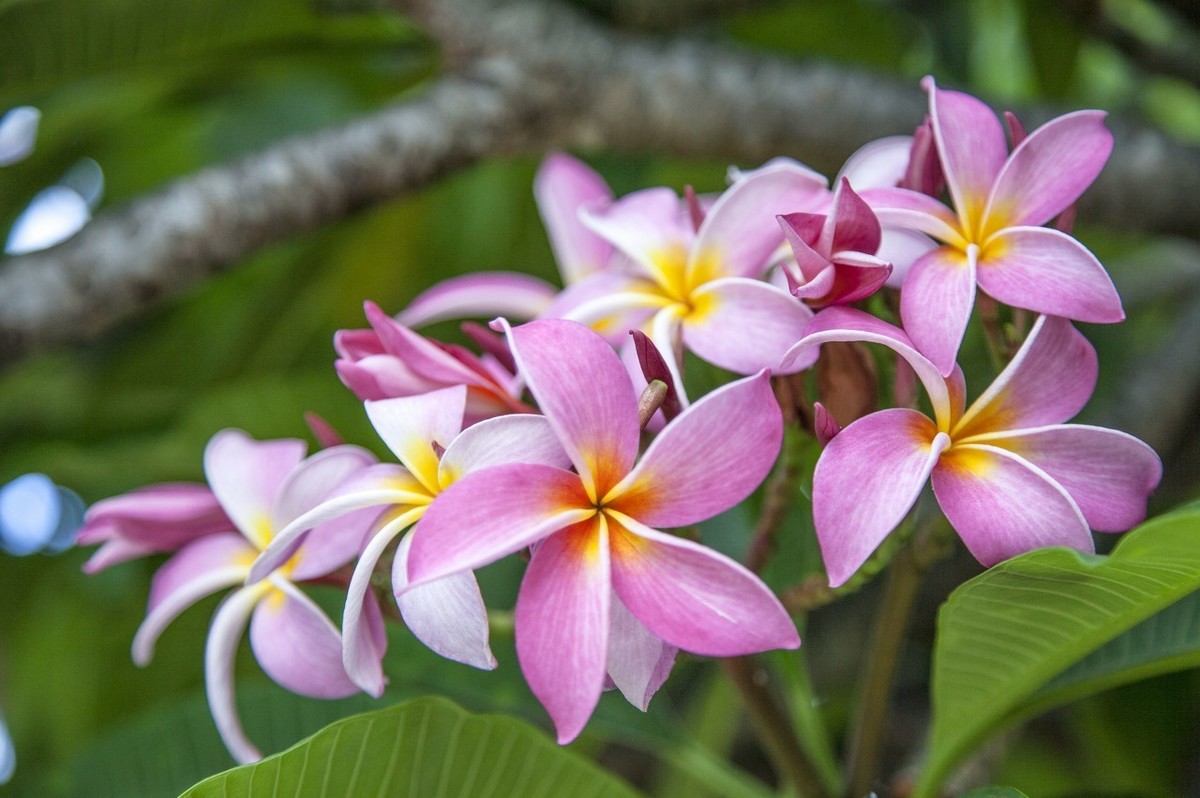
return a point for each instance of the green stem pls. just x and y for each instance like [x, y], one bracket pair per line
[773, 726]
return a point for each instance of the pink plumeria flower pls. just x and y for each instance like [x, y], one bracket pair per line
[1009, 474]
[607, 595]
[152, 519]
[390, 360]
[994, 237]
[261, 486]
[426, 433]
[699, 278]
[835, 261]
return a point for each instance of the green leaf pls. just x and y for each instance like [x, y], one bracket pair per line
[1009, 638]
[995, 792]
[424, 747]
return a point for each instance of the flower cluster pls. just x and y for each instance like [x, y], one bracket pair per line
[565, 439]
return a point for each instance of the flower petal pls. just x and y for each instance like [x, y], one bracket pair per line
[297, 645]
[562, 624]
[745, 325]
[638, 661]
[856, 228]
[199, 569]
[447, 614]
[584, 392]
[866, 480]
[161, 517]
[492, 513]
[479, 295]
[1109, 474]
[881, 163]
[562, 186]
[246, 475]
[740, 233]
[971, 144]
[496, 441]
[411, 425]
[708, 459]
[1002, 505]
[648, 226]
[908, 210]
[312, 480]
[936, 302]
[219, 651]
[1048, 271]
[1048, 381]
[1049, 170]
[693, 597]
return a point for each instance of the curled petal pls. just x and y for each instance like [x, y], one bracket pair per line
[311, 481]
[447, 614]
[411, 425]
[865, 482]
[246, 475]
[855, 228]
[297, 645]
[638, 661]
[936, 302]
[496, 441]
[584, 392]
[223, 635]
[1108, 473]
[562, 624]
[159, 517]
[1002, 505]
[1048, 271]
[745, 325]
[708, 459]
[1048, 381]
[562, 186]
[480, 295]
[693, 597]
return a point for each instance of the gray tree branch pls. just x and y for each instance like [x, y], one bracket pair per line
[523, 76]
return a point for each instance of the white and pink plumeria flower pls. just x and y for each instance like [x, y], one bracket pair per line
[1009, 473]
[608, 596]
[994, 236]
[260, 486]
[426, 434]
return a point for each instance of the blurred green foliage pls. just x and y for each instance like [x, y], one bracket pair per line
[153, 94]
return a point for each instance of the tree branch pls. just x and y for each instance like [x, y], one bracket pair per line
[525, 77]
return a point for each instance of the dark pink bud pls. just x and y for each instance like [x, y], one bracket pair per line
[693, 205]
[491, 343]
[924, 172]
[825, 426]
[1016, 131]
[654, 367]
[323, 431]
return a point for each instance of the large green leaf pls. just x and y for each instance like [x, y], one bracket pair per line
[1043, 628]
[424, 747]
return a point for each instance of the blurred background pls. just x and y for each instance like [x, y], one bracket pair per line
[147, 93]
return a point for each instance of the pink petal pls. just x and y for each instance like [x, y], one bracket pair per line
[497, 441]
[114, 552]
[1048, 381]
[1001, 505]
[411, 425]
[971, 144]
[381, 377]
[479, 295]
[708, 459]
[422, 356]
[562, 186]
[362, 647]
[936, 302]
[740, 231]
[159, 517]
[1108, 473]
[199, 569]
[908, 210]
[692, 597]
[492, 513]
[562, 624]
[802, 231]
[585, 393]
[1048, 271]
[246, 475]
[447, 614]
[881, 163]
[856, 277]
[646, 226]
[1049, 170]
[850, 324]
[219, 651]
[313, 479]
[610, 302]
[638, 661]
[745, 325]
[902, 248]
[332, 544]
[865, 482]
[856, 228]
[297, 645]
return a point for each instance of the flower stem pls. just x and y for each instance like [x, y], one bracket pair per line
[773, 726]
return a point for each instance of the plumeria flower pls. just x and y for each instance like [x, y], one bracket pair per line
[694, 272]
[994, 237]
[1009, 474]
[835, 260]
[607, 595]
[261, 486]
[426, 433]
[390, 360]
